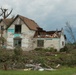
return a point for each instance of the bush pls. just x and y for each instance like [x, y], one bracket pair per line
[68, 59]
[49, 49]
[18, 51]
[17, 56]
[73, 52]
[19, 65]
[65, 49]
[4, 55]
[39, 49]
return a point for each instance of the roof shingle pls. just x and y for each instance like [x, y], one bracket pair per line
[7, 21]
[30, 23]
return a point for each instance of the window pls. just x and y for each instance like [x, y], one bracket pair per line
[40, 43]
[17, 42]
[2, 27]
[62, 43]
[17, 28]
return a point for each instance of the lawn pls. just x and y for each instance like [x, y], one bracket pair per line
[64, 71]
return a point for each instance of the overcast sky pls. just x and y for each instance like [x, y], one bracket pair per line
[48, 14]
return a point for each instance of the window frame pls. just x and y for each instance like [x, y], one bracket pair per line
[18, 29]
[16, 41]
[40, 43]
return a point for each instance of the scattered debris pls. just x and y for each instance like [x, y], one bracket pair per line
[37, 67]
[41, 69]
[58, 66]
[27, 69]
[49, 69]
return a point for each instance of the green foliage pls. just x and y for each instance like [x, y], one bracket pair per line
[37, 49]
[68, 59]
[4, 56]
[19, 65]
[18, 51]
[17, 56]
[49, 49]
[47, 57]
[65, 49]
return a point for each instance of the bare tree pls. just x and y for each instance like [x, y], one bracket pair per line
[4, 12]
[70, 31]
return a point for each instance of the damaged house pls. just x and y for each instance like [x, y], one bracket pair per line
[25, 33]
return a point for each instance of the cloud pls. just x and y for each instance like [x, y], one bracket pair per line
[49, 14]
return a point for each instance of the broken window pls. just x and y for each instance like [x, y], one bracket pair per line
[17, 42]
[40, 43]
[17, 28]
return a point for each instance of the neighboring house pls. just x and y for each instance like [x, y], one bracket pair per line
[25, 33]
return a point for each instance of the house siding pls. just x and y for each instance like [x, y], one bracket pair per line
[49, 42]
[62, 39]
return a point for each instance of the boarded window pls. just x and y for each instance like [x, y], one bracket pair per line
[17, 28]
[40, 43]
[17, 42]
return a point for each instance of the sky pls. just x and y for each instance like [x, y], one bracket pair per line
[48, 14]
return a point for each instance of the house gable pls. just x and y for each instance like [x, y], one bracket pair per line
[28, 22]
[26, 34]
[18, 22]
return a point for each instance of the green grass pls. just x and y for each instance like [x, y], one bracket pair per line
[64, 71]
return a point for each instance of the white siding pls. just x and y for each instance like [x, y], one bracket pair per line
[49, 42]
[62, 39]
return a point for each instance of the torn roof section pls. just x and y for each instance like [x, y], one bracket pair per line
[47, 34]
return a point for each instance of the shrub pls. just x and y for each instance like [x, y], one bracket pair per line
[17, 56]
[65, 49]
[73, 52]
[19, 65]
[40, 49]
[4, 55]
[18, 51]
[50, 49]
[68, 59]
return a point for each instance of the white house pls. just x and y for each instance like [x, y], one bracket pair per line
[26, 33]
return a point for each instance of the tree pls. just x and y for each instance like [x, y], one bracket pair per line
[70, 31]
[4, 12]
